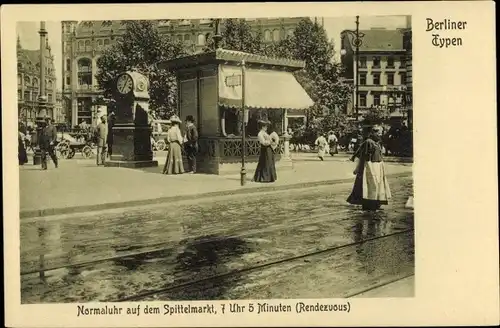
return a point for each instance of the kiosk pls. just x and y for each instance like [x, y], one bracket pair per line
[132, 131]
[210, 87]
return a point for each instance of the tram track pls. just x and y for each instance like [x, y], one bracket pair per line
[377, 286]
[300, 222]
[246, 270]
[159, 253]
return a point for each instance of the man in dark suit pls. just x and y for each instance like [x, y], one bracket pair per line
[191, 144]
[48, 139]
[109, 140]
[101, 138]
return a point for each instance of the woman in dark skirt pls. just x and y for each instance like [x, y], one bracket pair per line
[371, 188]
[266, 169]
[21, 150]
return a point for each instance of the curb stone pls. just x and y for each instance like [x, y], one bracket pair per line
[203, 195]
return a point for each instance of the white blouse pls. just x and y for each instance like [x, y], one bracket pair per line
[264, 138]
[174, 134]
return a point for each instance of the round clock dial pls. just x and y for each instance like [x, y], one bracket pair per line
[141, 85]
[124, 84]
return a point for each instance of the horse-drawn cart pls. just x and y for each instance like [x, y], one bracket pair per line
[68, 146]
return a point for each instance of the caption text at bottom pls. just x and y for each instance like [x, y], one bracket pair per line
[222, 308]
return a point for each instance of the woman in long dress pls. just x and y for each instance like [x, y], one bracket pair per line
[322, 145]
[266, 169]
[21, 150]
[175, 139]
[371, 188]
[333, 143]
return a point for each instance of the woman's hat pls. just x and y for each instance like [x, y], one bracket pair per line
[331, 132]
[175, 119]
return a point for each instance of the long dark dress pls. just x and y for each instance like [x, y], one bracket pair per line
[21, 151]
[371, 188]
[266, 168]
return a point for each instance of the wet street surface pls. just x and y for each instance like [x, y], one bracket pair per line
[303, 243]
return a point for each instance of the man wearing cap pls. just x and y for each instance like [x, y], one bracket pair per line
[48, 139]
[191, 144]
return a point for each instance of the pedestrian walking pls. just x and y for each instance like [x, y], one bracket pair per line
[333, 143]
[109, 139]
[48, 139]
[101, 140]
[371, 188]
[266, 167]
[191, 143]
[321, 144]
[173, 164]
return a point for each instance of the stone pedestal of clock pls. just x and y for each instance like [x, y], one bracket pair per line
[131, 132]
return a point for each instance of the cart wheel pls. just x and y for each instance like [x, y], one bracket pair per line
[71, 153]
[87, 152]
[63, 153]
[161, 145]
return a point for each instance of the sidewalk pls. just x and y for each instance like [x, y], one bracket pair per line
[79, 185]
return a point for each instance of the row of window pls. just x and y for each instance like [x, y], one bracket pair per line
[48, 70]
[376, 99]
[32, 96]
[377, 81]
[87, 45]
[201, 39]
[376, 60]
[33, 82]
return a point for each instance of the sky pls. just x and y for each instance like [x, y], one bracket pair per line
[30, 39]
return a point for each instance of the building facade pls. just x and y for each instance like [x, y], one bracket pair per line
[28, 82]
[84, 42]
[409, 75]
[59, 113]
[382, 65]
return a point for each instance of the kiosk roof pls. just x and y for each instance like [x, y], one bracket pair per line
[228, 56]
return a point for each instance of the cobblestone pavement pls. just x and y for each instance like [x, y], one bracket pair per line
[159, 247]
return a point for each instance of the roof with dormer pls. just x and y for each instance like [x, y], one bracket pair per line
[224, 55]
[30, 59]
[87, 28]
[379, 40]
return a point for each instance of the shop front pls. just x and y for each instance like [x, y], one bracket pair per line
[213, 88]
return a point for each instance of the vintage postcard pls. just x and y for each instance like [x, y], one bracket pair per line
[244, 164]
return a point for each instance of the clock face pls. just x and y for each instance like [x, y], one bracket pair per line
[141, 85]
[124, 84]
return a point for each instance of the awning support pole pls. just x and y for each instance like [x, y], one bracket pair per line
[243, 172]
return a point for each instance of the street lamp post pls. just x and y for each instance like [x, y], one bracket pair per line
[243, 172]
[356, 42]
[217, 37]
[235, 81]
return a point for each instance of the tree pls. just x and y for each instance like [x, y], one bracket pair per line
[140, 49]
[322, 77]
[375, 116]
[237, 35]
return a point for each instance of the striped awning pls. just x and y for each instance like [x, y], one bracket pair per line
[264, 89]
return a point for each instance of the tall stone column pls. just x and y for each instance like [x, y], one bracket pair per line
[74, 110]
[94, 71]
[42, 98]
